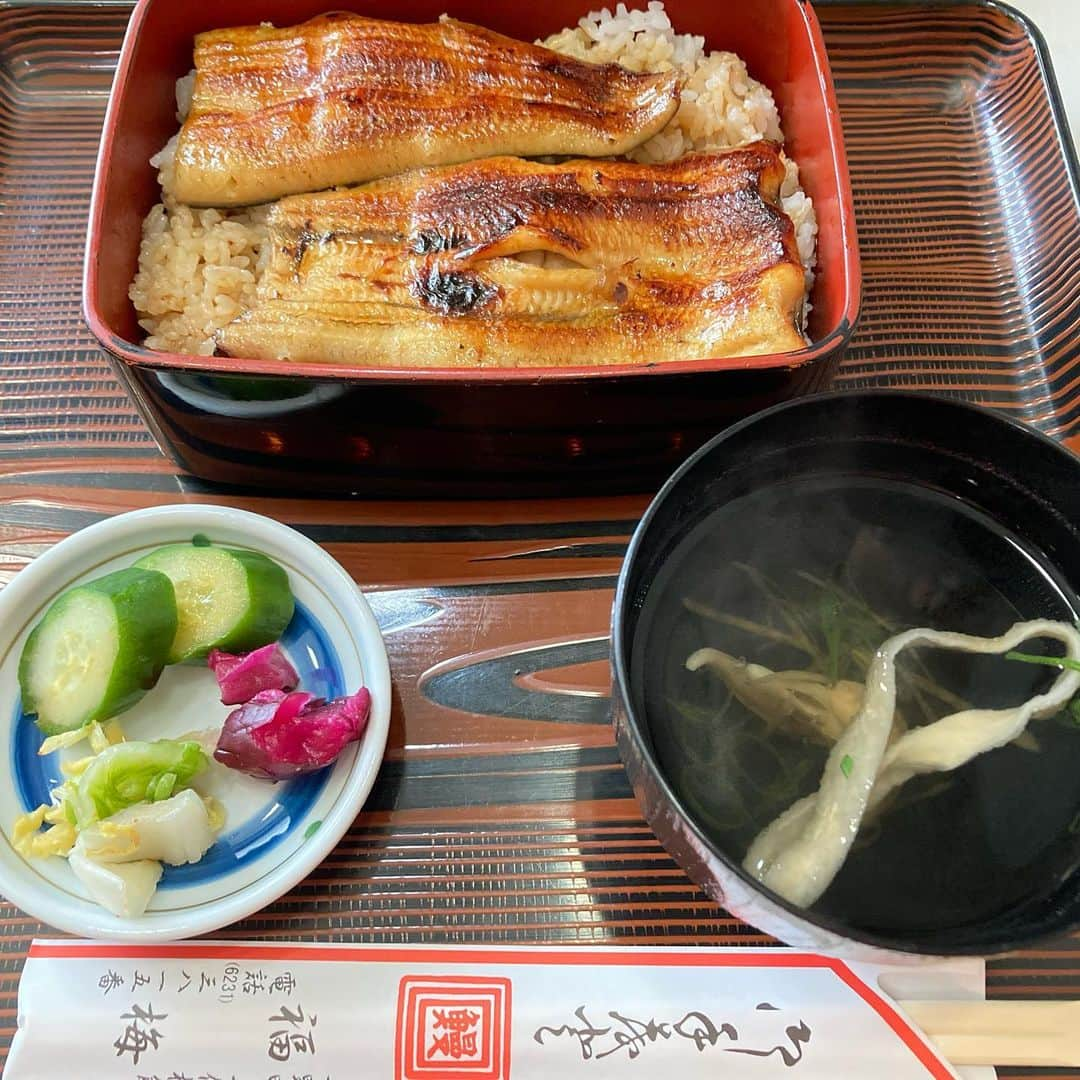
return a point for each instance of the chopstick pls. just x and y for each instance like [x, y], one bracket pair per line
[1028, 1033]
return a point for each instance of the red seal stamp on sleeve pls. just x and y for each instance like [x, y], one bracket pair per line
[452, 1027]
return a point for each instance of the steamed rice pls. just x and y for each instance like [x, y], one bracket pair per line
[199, 269]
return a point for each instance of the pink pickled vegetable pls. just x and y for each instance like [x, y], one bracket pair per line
[242, 677]
[278, 735]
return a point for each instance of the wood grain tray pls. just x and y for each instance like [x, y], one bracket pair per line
[502, 813]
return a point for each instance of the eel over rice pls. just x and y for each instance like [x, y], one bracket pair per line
[342, 99]
[505, 262]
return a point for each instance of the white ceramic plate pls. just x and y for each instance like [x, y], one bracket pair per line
[274, 834]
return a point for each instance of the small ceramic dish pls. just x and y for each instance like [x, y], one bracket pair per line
[274, 834]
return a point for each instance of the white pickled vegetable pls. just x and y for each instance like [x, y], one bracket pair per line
[125, 889]
[174, 831]
[800, 853]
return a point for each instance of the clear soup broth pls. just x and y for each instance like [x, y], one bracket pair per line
[810, 579]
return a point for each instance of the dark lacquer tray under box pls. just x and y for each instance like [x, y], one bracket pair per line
[332, 427]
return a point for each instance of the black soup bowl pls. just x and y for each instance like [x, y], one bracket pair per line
[798, 540]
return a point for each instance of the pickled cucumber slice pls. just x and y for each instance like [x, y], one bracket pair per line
[226, 598]
[97, 650]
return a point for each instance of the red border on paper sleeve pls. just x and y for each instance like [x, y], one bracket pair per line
[539, 956]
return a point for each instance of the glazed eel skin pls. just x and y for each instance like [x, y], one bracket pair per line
[512, 263]
[342, 99]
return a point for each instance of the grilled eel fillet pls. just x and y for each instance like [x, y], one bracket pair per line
[436, 268]
[343, 99]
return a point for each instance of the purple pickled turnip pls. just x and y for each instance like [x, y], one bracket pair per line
[277, 735]
[242, 677]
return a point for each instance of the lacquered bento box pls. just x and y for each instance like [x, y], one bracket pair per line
[323, 427]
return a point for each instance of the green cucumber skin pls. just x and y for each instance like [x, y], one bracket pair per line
[145, 608]
[267, 618]
[270, 606]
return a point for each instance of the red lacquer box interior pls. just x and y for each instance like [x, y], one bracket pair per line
[447, 432]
